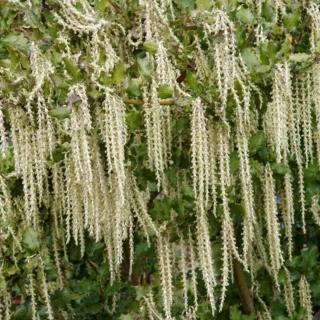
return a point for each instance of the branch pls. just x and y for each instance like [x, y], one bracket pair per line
[115, 6]
[317, 59]
[189, 64]
[243, 290]
[140, 102]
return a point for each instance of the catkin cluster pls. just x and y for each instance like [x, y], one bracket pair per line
[75, 170]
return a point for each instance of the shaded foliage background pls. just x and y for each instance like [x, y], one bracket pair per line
[88, 293]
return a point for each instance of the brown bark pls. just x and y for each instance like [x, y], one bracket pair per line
[243, 290]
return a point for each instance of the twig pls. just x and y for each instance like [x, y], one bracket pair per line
[191, 65]
[115, 6]
[311, 64]
[140, 102]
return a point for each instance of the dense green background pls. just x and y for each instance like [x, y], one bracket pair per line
[87, 288]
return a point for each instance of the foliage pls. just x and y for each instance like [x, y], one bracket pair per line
[148, 148]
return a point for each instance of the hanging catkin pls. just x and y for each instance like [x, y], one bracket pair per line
[313, 11]
[45, 292]
[316, 100]
[270, 208]
[230, 69]
[164, 254]
[315, 209]
[276, 118]
[220, 137]
[200, 171]
[199, 145]
[113, 129]
[304, 114]
[246, 182]
[288, 211]
[191, 247]
[158, 128]
[5, 299]
[305, 297]
[297, 150]
[151, 307]
[282, 126]
[31, 289]
[288, 293]
[3, 134]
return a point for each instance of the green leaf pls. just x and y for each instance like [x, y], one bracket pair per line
[133, 120]
[234, 162]
[119, 73]
[204, 5]
[281, 318]
[281, 277]
[65, 147]
[300, 57]
[83, 286]
[291, 20]
[72, 68]
[245, 15]
[73, 251]
[24, 312]
[113, 289]
[295, 261]
[60, 113]
[315, 288]
[151, 47]
[187, 192]
[235, 313]
[236, 208]
[272, 50]
[52, 273]
[102, 5]
[93, 246]
[277, 30]
[126, 317]
[264, 69]
[280, 168]
[57, 155]
[93, 308]
[10, 270]
[161, 209]
[30, 240]
[186, 5]
[256, 168]
[144, 67]
[10, 38]
[7, 18]
[251, 60]
[267, 11]
[62, 298]
[256, 141]
[59, 82]
[134, 90]
[192, 81]
[277, 307]
[309, 258]
[48, 15]
[247, 317]
[95, 94]
[141, 248]
[301, 314]
[165, 91]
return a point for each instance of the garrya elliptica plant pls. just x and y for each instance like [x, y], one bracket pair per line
[159, 159]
